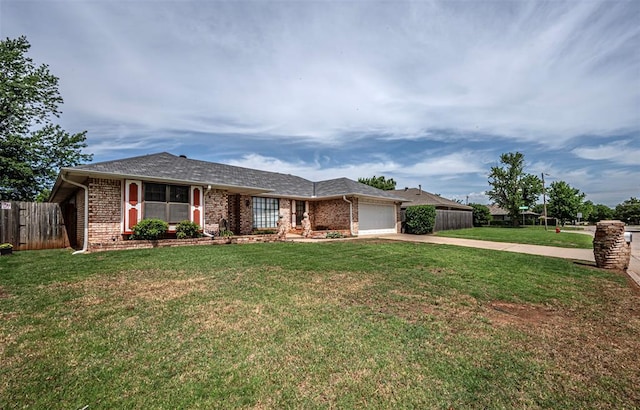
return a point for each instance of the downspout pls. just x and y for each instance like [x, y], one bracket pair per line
[350, 214]
[85, 244]
[204, 213]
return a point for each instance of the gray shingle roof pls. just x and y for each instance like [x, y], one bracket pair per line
[346, 186]
[165, 166]
[421, 197]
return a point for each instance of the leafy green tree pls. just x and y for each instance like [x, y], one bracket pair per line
[587, 209]
[511, 187]
[538, 208]
[32, 147]
[564, 201]
[629, 211]
[481, 214]
[600, 212]
[379, 182]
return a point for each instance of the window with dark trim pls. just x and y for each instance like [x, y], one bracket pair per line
[167, 202]
[265, 212]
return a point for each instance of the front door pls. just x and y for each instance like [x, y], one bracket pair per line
[299, 211]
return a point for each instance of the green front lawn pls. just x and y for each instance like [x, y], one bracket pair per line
[288, 325]
[527, 235]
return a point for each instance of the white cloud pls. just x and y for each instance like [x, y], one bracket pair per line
[530, 71]
[314, 171]
[619, 152]
[529, 76]
[466, 162]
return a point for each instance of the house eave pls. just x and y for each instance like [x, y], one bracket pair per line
[80, 175]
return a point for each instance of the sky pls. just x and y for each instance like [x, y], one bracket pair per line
[428, 93]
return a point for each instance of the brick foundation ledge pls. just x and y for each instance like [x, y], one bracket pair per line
[170, 243]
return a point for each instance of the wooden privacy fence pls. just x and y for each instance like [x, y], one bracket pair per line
[31, 225]
[452, 219]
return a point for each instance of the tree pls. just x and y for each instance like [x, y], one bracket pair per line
[629, 211]
[512, 187]
[481, 214]
[379, 182]
[600, 213]
[32, 147]
[587, 209]
[564, 201]
[538, 208]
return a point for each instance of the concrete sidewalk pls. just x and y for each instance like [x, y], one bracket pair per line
[565, 253]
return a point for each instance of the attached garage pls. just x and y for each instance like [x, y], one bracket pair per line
[376, 218]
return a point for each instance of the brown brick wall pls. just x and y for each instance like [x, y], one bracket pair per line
[105, 210]
[246, 215]
[215, 208]
[332, 214]
[285, 211]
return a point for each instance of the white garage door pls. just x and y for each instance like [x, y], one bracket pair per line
[375, 219]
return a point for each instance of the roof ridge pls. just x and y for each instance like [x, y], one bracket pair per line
[127, 159]
[243, 168]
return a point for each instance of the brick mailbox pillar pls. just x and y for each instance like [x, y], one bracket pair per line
[610, 248]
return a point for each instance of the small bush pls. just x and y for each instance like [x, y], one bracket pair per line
[150, 229]
[420, 219]
[187, 229]
[224, 233]
[334, 235]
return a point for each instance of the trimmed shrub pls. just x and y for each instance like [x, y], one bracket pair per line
[187, 229]
[420, 219]
[150, 229]
[481, 214]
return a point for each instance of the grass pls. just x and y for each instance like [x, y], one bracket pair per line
[345, 324]
[527, 235]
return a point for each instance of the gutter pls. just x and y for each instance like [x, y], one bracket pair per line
[85, 244]
[344, 197]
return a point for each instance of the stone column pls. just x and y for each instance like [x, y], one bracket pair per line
[610, 248]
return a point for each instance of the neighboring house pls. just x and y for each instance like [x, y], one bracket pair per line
[498, 214]
[449, 214]
[501, 216]
[103, 201]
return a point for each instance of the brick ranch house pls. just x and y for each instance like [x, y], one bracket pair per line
[101, 202]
